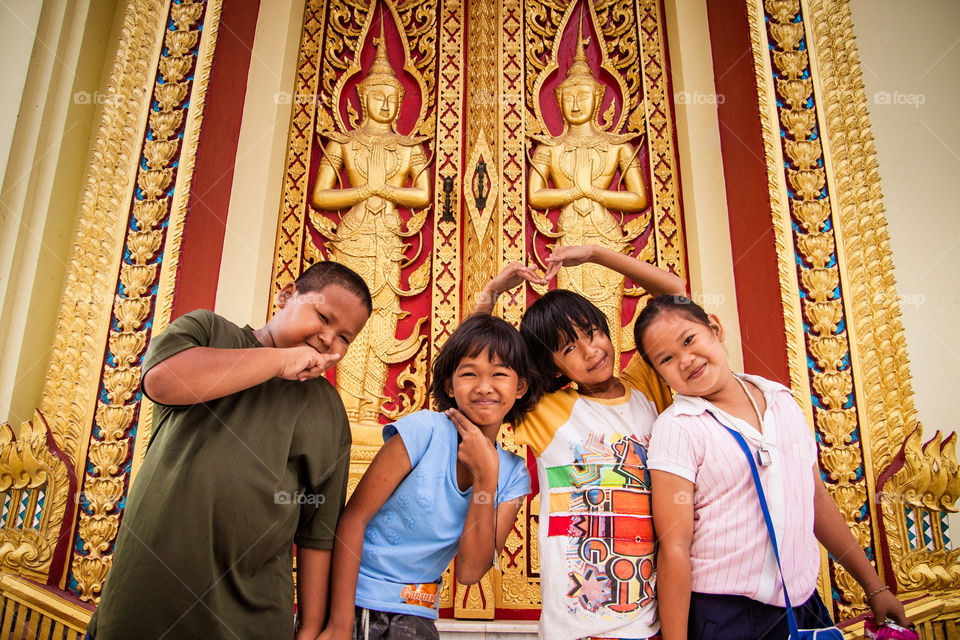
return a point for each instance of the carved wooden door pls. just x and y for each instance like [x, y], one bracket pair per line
[419, 131]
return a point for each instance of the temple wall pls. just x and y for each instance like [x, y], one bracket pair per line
[912, 89]
[58, 56]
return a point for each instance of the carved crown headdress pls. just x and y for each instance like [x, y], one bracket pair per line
[381, 71]
[580, 70]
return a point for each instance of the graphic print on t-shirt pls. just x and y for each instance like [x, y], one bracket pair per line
[601, 503]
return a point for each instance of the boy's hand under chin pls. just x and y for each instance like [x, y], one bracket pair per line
[476, 451]
[304, 363]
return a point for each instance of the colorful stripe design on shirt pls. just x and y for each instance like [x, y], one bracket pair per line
[601, 504]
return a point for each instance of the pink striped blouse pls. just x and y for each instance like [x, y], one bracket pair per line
[730, 552]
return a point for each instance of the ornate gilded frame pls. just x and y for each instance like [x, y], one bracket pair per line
[846, 347]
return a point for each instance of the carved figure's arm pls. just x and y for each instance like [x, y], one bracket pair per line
[327, 198]
[634, 197]
[541, 196]
[418, 194]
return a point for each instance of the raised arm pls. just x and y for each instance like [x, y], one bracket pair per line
[512, 275]
[388, 469]
[673, 522]
[201, 374]
[834, 534]
[654, 280]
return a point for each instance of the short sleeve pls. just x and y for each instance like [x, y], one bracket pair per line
[416, 431]
[189, 330]
[321, 509]
[514, 478]
[674, 449]
[520, 430]
[639, 375]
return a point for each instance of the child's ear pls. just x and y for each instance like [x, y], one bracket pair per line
[716, 326]
[522, 387]
[284, 295]
[448, 388]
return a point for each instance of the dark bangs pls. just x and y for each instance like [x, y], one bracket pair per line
[550, 323]
[478, 333]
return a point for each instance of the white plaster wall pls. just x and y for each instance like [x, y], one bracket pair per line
[18, 30]
[910, 53]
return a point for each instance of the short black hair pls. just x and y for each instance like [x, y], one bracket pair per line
[478, 333]
[657, 307]
[550, 323]
[321, 274]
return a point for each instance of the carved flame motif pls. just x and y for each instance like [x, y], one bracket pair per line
[915, 498]
[34, 489]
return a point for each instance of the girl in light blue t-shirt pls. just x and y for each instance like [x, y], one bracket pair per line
[439, 487]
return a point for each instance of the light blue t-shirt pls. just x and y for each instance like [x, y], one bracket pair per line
[415, 534]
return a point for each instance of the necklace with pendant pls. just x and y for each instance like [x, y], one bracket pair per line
[763, 454]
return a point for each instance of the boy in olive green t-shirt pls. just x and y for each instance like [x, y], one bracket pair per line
[250, 453]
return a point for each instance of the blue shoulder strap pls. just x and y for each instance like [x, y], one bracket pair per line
[791, 619]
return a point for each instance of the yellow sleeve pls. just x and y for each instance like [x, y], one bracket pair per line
[538, 427]
[639, 375]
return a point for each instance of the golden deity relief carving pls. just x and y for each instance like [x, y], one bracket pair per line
[575, 172]
[386, 172]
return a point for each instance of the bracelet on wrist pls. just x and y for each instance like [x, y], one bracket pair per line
[876, 591]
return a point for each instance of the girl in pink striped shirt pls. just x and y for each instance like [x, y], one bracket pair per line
[718, 577]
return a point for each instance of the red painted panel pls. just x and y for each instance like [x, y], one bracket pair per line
[206, 219]
[745, 174]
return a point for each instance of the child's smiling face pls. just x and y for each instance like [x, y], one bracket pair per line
[587, 360]
[485, 390]
[327, 320]
[688, 354]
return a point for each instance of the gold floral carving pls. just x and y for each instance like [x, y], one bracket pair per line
[303, 121]
[779, 207]
[810, 269]
[658, 121]
[480, 237]
[879, 345]
[512, 237]
[139, 277]
[445, 302]
[35, 487]
[875, 306]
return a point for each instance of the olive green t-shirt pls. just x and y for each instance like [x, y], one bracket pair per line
[205, 548]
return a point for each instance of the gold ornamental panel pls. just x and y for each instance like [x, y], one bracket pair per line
[846, 349]
[426, 141]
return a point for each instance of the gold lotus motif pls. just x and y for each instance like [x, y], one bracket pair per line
[186, 14]
[165, 124]
[149, 213]
[131, 312]
[170, 95]
[155, 182]
[137, 278]
[180, 42]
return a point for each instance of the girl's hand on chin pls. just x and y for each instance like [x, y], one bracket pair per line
[475, 450]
